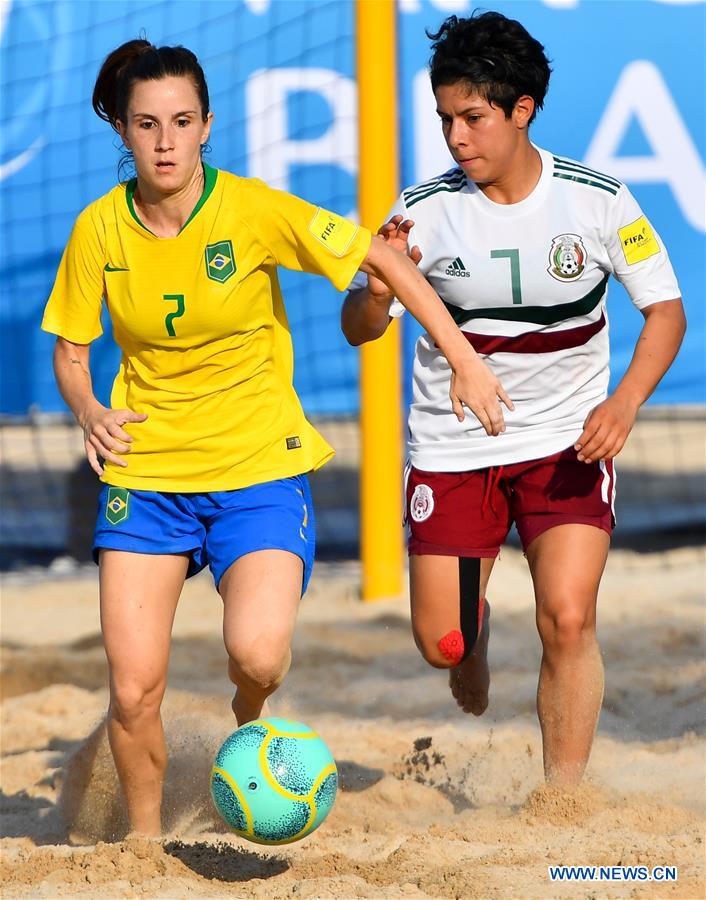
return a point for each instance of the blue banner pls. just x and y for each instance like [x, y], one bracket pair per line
[623, 98]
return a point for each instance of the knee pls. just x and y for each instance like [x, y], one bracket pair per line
[441, 652]
[566, 627]
[132, 702]
[259, 668]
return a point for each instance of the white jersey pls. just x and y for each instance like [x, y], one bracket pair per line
[527, 284]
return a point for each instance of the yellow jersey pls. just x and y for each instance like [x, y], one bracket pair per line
[206, 347]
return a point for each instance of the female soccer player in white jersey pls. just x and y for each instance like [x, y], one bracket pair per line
[205, 445]
[520, 244]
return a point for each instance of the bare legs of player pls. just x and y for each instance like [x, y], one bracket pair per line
[139, 595]
[261, 593]
[138, 599]
[434, 588]
[566, 564]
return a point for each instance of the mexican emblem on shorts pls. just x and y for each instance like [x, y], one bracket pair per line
[567, 258]
[421, 506]
[117, 508]
[220, 261]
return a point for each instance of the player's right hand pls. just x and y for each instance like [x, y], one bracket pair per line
[474, 385]
[396, 234]
[105, 437]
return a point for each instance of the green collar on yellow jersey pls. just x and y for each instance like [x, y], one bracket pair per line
[210, 175]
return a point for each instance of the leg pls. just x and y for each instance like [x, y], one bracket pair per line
[138, 598]
[261, 593]
[567, 563]
[436, 603]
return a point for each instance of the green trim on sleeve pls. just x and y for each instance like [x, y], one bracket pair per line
[453, 177]
[445, 188]
[568, 165]
[589, 181]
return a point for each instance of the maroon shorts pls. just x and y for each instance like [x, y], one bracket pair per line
[470, 513]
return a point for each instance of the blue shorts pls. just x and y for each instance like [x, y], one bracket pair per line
[215, 529]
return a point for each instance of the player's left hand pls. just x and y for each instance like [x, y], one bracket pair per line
[606, 429]
[476, 386]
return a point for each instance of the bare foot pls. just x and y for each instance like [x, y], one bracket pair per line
[470, 681]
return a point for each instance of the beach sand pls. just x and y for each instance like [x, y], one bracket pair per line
[432, 803]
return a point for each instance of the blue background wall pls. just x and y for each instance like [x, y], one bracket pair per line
[627, 96]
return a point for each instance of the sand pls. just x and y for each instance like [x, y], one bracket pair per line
[432, 803]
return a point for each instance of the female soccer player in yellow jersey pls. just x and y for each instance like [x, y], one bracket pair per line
[520, 244]
[205, 447]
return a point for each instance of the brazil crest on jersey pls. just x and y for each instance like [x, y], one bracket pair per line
[206, 348]
[527, 284]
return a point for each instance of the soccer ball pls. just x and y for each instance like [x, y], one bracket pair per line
[568, 264]
[274, 781]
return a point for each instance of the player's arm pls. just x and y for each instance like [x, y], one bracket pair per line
[641, 263]
[473, 384]
[607, 427]
[364, 317]
[304, 238]
[103, 433]
[366, 312]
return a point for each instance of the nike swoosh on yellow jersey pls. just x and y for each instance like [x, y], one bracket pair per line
[109, 268]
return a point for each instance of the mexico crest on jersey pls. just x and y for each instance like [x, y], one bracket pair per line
[421, 506]
[567, 258]
[220, 261]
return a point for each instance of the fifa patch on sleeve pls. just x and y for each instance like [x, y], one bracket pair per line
[638, 241]
[332, 231]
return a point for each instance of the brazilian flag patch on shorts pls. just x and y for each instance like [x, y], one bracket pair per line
[117, 508]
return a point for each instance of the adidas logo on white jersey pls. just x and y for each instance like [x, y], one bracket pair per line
[457, 269]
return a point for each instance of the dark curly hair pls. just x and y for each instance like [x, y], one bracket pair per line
[493, 55]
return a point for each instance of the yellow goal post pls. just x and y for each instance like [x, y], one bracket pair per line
[381, 548]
